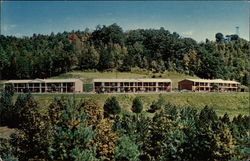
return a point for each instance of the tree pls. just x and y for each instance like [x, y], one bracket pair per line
[126, 149]
[156, 105]
[32, 140]
[4, 62]
[111, 107]
[89, 58]
[71, 135]
[137, 105]
[219, 37]
[8, 112]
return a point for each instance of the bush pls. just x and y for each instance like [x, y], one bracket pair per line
[215, 142]
[137, 105]
[71, 134]
[94, 113]
[126, 149]
[111, 107]
[105, 140]
[171, 111]
[156, 105]
[32, 140]
[208, 115]
[6, 150]
[7, 109]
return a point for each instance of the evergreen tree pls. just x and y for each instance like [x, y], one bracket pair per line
[111, 107]
[137, 105]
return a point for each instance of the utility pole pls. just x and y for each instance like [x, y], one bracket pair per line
[237, 30]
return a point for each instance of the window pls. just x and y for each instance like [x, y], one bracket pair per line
[96, 84]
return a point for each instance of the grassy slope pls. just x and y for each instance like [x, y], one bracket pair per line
[231, 103]
[88, 76]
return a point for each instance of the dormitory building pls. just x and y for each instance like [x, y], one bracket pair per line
[147, 85]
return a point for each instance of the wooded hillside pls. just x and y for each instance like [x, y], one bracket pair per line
[109, 47]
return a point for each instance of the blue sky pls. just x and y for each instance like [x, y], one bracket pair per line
[196, 19]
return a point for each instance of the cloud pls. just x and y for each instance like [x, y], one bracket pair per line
[18, 35]
[7, 27]
[187, 33]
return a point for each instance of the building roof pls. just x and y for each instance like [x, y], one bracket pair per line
[212, 81]
[132, 80]
[43, 81]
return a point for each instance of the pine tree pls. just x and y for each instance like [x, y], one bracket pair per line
[111, 107]
[137, 105]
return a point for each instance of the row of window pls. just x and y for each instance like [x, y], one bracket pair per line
[130, 89]
[211, 84]
[207, 89]
[132, 84]
[42, 90]
[42, 84]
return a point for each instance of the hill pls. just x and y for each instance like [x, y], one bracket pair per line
[87, 76]
[231, 103]
[110, 48]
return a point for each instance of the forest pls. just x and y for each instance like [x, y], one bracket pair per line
[83, 131]
[110, 48]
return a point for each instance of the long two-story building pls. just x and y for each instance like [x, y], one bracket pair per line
[209, 85]
[132, 85]
[46, 85]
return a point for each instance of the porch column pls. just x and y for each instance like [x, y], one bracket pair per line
[61, 88]
[45, 87]
[118, 87]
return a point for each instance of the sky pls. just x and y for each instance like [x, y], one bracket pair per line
[196, 19]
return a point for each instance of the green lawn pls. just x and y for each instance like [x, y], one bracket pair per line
[231, 103]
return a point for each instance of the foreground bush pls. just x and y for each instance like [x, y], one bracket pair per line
[111, 107]
[71, 134]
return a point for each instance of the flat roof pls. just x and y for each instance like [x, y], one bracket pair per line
[132, 80]
[212, 81]
[42, 80]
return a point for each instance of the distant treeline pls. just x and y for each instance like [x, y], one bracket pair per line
[109, 47]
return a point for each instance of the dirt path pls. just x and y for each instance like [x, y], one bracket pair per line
[5, 132]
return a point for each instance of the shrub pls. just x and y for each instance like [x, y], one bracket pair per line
[126, 149]
[111, 107]
[156, 105]
[215, 142]
[6, 150]
[32, 140]
[137, 105]
[71, 134]
[208, 115]
[94, 113]
[225, 119]
[7, 109]
[105, 140]
[171, 111]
